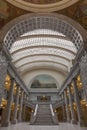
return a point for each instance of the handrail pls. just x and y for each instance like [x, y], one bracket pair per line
[36, 110]
[54, 116]
[51, 108]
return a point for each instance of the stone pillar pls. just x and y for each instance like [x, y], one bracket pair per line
[83, 74]
[66, 104]
[16, 106]
[63, 108]
[25, 96]
[24, 110]
[3, 72]
[71, 107]
[64, 114]
[77, 100]
[21, 107]
[6, 119]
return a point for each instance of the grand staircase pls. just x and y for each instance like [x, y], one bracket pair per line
[44, 116]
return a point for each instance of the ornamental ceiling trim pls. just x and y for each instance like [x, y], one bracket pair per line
[42, 58]
[29, 56]
[42, 7]
[43, 35]
[44, 61]
[44, 46]
[43, 65]
[44, 51]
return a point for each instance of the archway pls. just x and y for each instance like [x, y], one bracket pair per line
[55, 22]
[59, 27]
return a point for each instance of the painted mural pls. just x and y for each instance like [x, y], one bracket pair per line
[44, 81]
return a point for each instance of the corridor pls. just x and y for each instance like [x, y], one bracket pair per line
[43, 65]
[26, 126]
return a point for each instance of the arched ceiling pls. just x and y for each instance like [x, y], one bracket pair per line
[42, 5]
[43, 48]
[43, 41]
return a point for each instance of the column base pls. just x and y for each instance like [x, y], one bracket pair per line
[73, 121]
[81, 123]
[68, 121]
[5, 124]
[19, 121]
[64, 120]
[15, 121]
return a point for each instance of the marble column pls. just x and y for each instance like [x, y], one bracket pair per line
[6, 119]
[25, 96]
[66, 104]
[63, 108]
[78, 105]
[3, 73]
[21, 107]
[73, 117]
[16, 106]
[24, 110]
[64, 114]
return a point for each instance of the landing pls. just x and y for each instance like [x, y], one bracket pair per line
[26, 126]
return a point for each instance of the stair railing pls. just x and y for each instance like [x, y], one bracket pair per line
[35, 113]
[33, 117]
[51, 108]
[54, 116]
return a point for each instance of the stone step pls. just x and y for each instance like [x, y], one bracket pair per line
[43, 116]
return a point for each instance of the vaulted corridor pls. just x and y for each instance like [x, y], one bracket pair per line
[43, 65]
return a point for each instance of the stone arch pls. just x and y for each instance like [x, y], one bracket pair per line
[52, 21]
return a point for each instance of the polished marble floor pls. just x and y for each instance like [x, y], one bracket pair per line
[26, 126]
